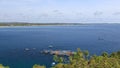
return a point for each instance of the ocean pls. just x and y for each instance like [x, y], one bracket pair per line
[96, 38]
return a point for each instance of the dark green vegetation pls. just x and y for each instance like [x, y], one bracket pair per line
[38, 66]
[81, 59]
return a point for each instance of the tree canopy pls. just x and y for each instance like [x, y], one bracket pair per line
[82, 59]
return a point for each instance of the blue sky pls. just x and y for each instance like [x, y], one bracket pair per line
[60, 11]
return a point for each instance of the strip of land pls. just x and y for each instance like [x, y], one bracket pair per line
[37, 24]
[43, 24]
[11, 24]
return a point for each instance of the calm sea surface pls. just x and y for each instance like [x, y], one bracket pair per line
[94, 38]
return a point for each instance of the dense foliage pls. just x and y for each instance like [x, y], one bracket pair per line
[81, 59]
[38, 66]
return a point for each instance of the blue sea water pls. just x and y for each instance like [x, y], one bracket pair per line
[94, 38]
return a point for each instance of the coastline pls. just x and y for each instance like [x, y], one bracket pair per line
[7, 25]
[42, 24]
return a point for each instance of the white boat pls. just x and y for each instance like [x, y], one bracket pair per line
[50, 46]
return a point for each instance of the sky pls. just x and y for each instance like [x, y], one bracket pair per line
[60, 11]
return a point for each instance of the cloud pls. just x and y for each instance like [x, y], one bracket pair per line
[55, 11]
[58, 12]
[98, 13]
[44, 15]
[79, 14]
[116, 13]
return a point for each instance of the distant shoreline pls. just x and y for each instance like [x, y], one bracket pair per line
[49, 24]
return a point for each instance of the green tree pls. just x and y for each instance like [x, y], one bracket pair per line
[105, 54]
[86, 54]
[78, 60]
[38, 66]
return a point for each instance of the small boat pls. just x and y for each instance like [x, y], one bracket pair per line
[27, 49]
[53, 63]
[50, 46]
[45, 52]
